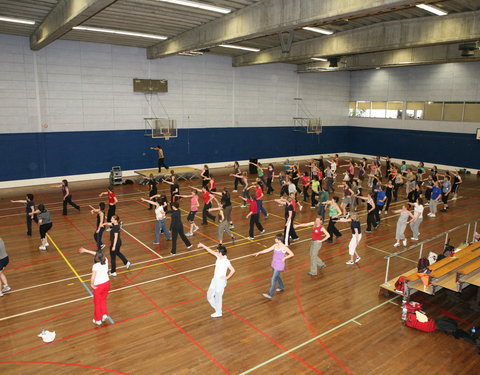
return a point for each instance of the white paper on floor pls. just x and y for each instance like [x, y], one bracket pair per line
[47, 336]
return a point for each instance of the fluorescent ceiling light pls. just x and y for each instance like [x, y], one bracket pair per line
[194, 4]
[110, 31]
[17, 20]
[319, 59]
[318, 30]
[239, 47]
[433, 9]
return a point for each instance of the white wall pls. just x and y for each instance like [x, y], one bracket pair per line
[442, 82]
[78, 86]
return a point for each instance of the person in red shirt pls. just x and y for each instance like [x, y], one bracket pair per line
[112, 202]
[259, 197]
[305, 185]
[319, 235]
[207, 204]
[253, 215]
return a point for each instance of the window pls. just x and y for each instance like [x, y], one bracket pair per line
[378, 109]
[363, 109]
[394, 110]
[352, 107]
[453, 111]
[415, 110]
[433, 111]
[472, 112]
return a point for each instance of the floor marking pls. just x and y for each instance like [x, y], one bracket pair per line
[316, 337]
[354, 321]
[394, 303]
[386, 252]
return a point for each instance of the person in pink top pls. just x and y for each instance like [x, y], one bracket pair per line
[193, 211]
[280, 254]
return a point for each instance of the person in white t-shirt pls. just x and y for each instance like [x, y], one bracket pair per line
[220, 277]
[161, 218]
[417, 218]
[100, 284]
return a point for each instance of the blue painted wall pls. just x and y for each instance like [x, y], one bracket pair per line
[35, 155]
[455, 149]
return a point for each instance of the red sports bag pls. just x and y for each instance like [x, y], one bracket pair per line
[414, 323]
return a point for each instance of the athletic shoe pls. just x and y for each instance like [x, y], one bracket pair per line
[6, 289]
[128, 265]
[1, 294]
[263, 231]
[195, 228]
[97, 322]
[156, 243]
[250, 238]
[102, 246]
[324, 266]
[357, 259]
[173, 253]
[234, 191]
[188, 247]
[385, 212]
[432, 215]
[454, 198]
[233, 239]
[404, 242]
[216, 315]
[396, 244]
[350, 262]
[280, 290]
[189, 234]
[42, 248]
[301, 208]
[267, 295]
[266, 215]
[112, 273]
[108, 229]
[368, 231]
[312, 274]
[47, 244]
[347, 215]
[104, 317]
[414, 239]
[232, 226]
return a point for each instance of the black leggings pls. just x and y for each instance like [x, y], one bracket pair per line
[269, 185]
[161, 163]
[68, 200]
[254, 220]
[371, 220]
[113, 257]
[111, 211]
[332, 229]
[206, 214]
[178, 232]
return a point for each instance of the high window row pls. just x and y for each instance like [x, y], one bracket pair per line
[438, 111]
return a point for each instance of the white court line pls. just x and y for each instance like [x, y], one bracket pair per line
[386, 252]
[354, 321]
[316, 337]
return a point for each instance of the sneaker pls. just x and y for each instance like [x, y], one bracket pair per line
[195, 228]
[42, 248]
[262, 231]
[128, 265]
[301, 208]
[250, 238]
[97, 322]
[414, 238]
[350, 262]
[1, 294]
[404, 242]
[396, 244]
[102, 246]
[216, 315]
[385, 212]
[173, 253]
[312, 274]
[112, 273]
[108, 229]
[357, 259]
[234, 191]
[104, 317]
[323, 266]
[156, 243]
[233, 239]
[6, 289]
[266, 215]
[368, 231]
[280, 290]
[347, 215]
[47, 244]
[432, 215]
[232, 226]
[188, 247]
[454, 198]
[189, 234]
[267, 295]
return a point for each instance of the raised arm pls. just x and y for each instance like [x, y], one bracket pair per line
[311, 223]
[149, 201]
[19, 201]
[211, 251]
[82, 250]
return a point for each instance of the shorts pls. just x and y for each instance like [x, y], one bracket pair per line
[44, 228]
[3, 263]
[445, 198]
[347, 200]
[191, 216]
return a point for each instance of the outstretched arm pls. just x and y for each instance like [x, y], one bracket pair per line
[149, 201]
[82, 250]
[211, 251]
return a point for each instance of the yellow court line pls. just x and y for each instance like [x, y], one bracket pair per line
[65, 259]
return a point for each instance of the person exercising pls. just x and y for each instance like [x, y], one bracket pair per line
[161, 158]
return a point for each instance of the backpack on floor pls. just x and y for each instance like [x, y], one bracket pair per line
[413, 307]
[412, 321]
[400, 284]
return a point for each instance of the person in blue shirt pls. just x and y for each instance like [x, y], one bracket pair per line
[435, 198]
[379, 203]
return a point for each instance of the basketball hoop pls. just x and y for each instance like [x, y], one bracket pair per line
[166, 135]
[317, 130]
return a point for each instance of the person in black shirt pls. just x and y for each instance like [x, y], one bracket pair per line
[67, 197]
[29, 208]
[115, 245]
[176, 227]
[152, 184]
[100, 211]
[174, 189]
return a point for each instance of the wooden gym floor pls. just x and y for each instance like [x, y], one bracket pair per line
[335, 323]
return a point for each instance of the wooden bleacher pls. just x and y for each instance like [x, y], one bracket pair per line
[183, 173]
[453, 273]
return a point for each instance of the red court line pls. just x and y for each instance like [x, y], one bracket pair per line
[272, 340]
[79, 231]
[67, 364]
[300, 306]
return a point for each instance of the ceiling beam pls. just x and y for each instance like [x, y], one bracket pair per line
[269, 17]
[65, 15]
[438, 54]
[415, 32]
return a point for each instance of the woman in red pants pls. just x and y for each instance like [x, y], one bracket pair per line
[100, 284]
